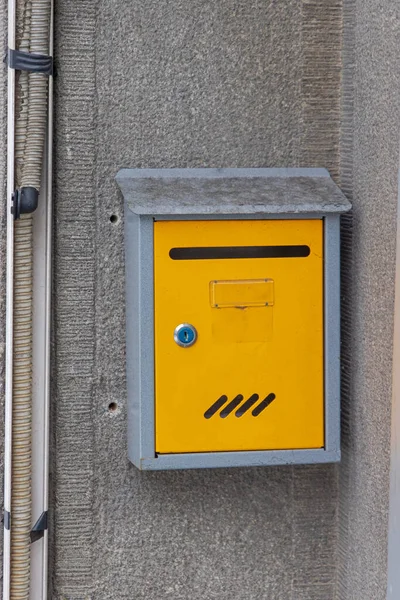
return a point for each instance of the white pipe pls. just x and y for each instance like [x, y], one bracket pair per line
[393, 583]
[9, 301]
[48, 305]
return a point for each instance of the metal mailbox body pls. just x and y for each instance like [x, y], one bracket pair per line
[233, 316]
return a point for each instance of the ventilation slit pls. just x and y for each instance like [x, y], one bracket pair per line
[216, 406]
[248, 404]
[263, 405]
[231, 406]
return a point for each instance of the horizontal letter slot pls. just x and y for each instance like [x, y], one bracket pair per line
[225, 252]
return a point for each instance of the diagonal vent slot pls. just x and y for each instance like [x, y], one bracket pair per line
[263, 405]
[231, 406]
[247, 405]
[215, 407]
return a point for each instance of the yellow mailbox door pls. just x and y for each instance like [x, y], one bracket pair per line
[238, 335]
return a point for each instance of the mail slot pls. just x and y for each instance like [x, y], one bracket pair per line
[232, 317]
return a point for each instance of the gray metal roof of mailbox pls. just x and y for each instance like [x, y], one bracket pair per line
[231, 191]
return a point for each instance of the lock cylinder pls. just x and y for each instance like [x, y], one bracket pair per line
[185, 335]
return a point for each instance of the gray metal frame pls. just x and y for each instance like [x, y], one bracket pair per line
[140, 349]
[140, 360]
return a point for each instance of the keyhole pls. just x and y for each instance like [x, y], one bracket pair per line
[185, 335]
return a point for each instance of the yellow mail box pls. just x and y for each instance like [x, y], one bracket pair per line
[233, 316]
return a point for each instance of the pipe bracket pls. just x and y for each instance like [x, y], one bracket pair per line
[7, 520]
[27, 61]
[24, 200]
[39, 527]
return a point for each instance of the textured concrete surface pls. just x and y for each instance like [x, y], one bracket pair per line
[237, 84]
[72, 551]
[175, 84]
[247, 84]
[370, 152]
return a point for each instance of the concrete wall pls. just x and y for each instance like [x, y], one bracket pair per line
[369, 173]
[160, 83]
[175, 84]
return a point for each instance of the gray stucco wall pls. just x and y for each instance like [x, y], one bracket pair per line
[369, 175]
[238, 83]
[175, 84]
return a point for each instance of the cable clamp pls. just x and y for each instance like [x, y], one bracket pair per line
[24, 200]
[7, 520]
[41, 525]
[28, 61]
